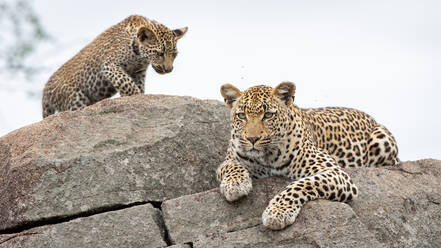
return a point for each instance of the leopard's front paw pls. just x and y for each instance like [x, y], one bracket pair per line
[277, 217]
[234, 188]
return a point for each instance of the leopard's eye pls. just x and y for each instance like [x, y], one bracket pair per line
[268, 115]
[161, 54]
[241, 116]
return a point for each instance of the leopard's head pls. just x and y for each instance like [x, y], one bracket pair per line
[157, 44]
[261, 117]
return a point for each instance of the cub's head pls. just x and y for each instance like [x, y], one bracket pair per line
[260, 116]
[157, 43]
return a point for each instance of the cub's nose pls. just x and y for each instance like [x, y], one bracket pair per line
[253, 140]
[167, 70]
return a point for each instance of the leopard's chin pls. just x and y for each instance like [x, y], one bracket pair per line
[254, 153]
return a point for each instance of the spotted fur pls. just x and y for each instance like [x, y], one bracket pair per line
[116, 61]
[271, 136]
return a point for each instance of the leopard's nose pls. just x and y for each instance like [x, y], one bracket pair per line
[253, 140]
[169, 69]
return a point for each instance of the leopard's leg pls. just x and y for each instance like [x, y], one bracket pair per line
[332, 184]
[78, 100]
[120, 80]
[381, 148]
[47, 107]
[140, 79]
[235, 181]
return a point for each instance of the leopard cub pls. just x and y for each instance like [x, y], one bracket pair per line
[116, 61]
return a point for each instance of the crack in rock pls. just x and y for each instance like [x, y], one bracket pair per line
[58, 220]
[19, 231]
[18, 235]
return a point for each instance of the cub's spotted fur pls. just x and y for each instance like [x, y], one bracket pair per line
[116, 61]
[272, 136]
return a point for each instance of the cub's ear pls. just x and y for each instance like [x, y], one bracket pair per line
[179, 33]
[285, 92]
[146, 36]
[230, 94]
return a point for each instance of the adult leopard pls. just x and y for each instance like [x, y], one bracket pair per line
[271, 136]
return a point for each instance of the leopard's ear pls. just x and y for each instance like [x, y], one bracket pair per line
[146, 36]
[230, 94]
[285, 92]
[179, 33]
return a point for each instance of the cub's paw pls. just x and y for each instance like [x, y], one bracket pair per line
[277, 217]
[234, 188]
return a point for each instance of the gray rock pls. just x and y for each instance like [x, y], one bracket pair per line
[401, 205]
[191, 217]
[139, 226]
[151, 149]
[397, 207]
[180, 246]
[114, 153]
[216, 223]
[321, 224]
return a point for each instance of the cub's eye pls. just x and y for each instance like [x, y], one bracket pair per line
[161, 54]
[174, 55]
[241, 116]
[268, 115]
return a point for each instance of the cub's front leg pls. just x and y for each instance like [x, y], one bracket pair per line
[139, 78]
[120, 80]
[235, 181]
[332, 184]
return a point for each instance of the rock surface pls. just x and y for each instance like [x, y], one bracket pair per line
[139, 172]
[397, 207]
[222, 224]
[118, 152]
[138, 226]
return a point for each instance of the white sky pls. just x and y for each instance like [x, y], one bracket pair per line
[382, 57]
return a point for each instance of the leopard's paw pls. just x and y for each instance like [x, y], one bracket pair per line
[234, 188]
[277, 217]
